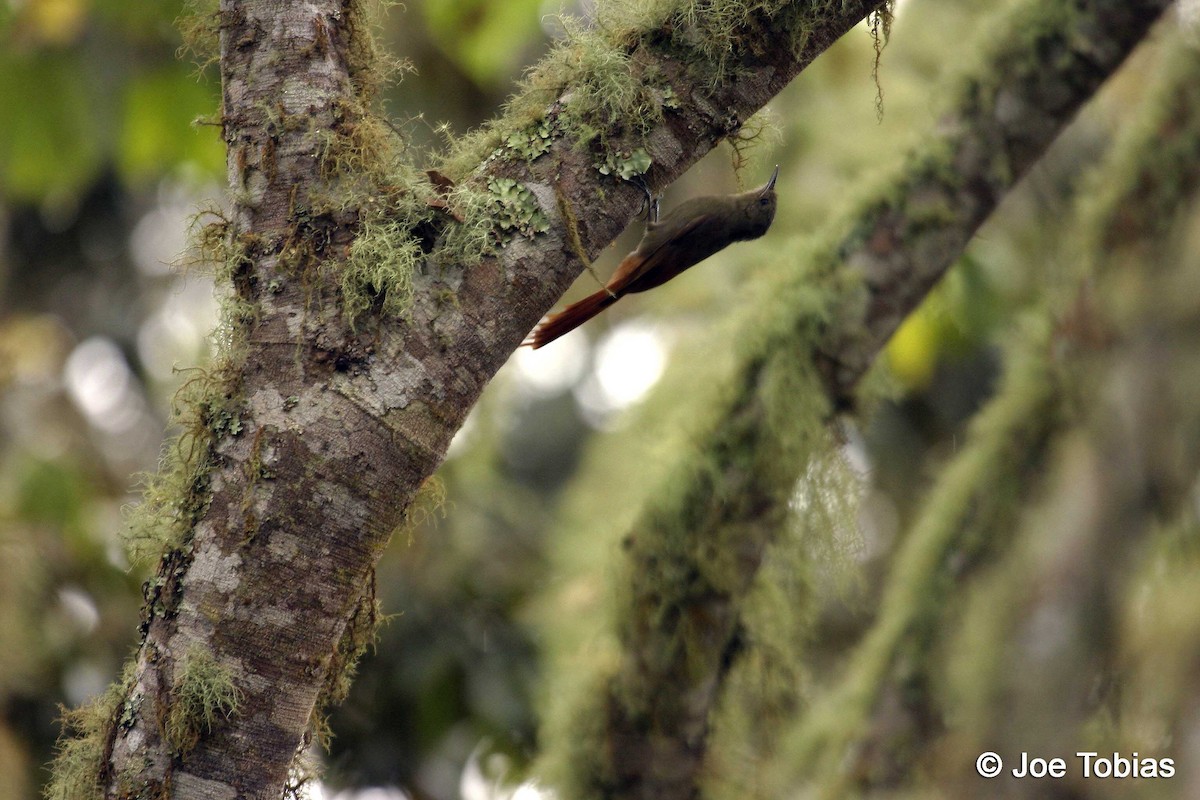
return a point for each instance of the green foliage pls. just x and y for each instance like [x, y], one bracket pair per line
[52, 493]
[486, 39]
[203, 690]
[158, 110]
[69, 121]
[49, 143]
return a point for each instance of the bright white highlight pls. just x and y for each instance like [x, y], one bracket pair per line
[177, 333]
[629, 361]
[102, 386]
[552, 369]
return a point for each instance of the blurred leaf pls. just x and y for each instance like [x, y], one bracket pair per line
[53, 21]
[486, 39]
[958, 317]
[141, 19]
[51, 493]
[912, 353]
[50, 145]
[971, 304]
[156, 125]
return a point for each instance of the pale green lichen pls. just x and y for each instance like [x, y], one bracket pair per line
[625, 164]
[199, 29]
[531, 142]
[516, 209]
[77, 762]
[177, 494]
[379, 269]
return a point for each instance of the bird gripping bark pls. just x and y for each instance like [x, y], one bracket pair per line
[687, 235]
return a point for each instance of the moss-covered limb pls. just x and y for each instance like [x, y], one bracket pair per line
[204, 690]
[1128, 468]
[1038, 662]
[348, 369]
[1139, 192]
[645, 70]
[968, 516]
[79, 763]
[1036, 68]
[690, 559]
[651, 87]
[695, 548]
[972, 510]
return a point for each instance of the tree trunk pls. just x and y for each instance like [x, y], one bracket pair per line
[315, 432]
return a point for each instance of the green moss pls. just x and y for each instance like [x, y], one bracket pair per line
[970, 511]
[380, 267]
[177, 495]
[199, 28]
[1140, 191]
[602, 97]
[371, 67]
[400, 215]
[203, 690]
[78, 760]
[360, 634]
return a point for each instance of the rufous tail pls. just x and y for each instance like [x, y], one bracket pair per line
[569, 319]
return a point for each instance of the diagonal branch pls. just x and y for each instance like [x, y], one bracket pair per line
[697, 546]
[968, 518]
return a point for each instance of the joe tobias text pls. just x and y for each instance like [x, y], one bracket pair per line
[1093, 765]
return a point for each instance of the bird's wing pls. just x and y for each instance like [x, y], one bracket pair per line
[651, 250]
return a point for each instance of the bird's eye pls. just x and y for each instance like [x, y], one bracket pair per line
[764, 201]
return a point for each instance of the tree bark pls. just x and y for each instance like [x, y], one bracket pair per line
[321, 432]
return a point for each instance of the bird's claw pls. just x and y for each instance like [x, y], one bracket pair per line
[650, 203]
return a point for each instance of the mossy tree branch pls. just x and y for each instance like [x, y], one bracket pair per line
[1129, 468]
[969, 518]
[697, 546]
[312, 436]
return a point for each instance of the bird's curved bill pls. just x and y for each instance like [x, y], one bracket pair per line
[771, 183]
